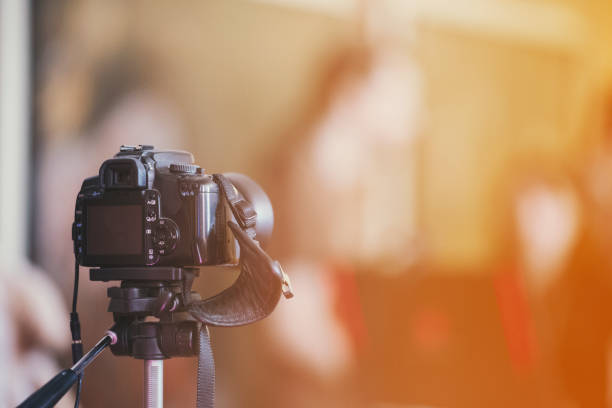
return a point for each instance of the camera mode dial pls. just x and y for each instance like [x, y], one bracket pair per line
[184, 168]
[165, 236]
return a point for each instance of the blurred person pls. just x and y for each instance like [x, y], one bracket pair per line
[342, 193]
[33, 323]
[344, 201]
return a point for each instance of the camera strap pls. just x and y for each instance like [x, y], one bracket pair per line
[255, 293]
[252, 297]
[243, 211]
[206, 371]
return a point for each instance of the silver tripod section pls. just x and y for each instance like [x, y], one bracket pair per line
[153, 383]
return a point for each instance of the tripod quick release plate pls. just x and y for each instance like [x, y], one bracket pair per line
[160, 273]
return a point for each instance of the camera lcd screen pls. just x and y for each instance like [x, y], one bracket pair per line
[114, 229]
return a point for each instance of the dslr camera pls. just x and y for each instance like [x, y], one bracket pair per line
[150, 219]
[157, 208]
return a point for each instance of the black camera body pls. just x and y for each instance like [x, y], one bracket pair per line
[157, 208]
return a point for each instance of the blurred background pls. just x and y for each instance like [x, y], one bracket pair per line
[441, 174]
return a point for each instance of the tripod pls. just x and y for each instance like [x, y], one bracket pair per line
[151, 324]
[180, 319]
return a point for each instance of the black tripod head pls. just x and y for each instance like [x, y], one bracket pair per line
[150, 311]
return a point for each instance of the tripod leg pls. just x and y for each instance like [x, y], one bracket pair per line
[153, 383]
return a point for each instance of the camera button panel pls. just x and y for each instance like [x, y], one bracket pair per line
[151, 215]
[165, 236]
[161, 234]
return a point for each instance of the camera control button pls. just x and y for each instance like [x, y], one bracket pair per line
[184, 168]
[152, 259]
[165, 236]
[151, 215]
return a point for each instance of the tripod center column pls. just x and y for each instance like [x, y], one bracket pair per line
[153, 383]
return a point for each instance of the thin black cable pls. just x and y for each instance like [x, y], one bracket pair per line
[75, 330]
[75, 291]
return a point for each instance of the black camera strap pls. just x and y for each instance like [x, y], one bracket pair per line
[255, 293]
[243, 211]
[261, 282]
[252, 297]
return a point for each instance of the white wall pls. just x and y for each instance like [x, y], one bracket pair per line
[14, 140]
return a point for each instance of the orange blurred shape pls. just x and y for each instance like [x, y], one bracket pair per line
[430, 330]
[516, 319]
